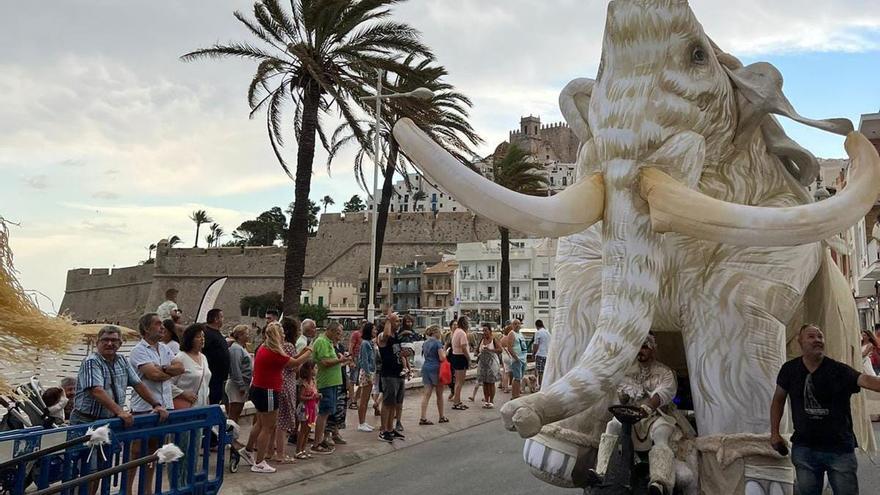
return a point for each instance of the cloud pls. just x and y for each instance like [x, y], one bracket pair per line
[105, 195]
[38, 182]
[70, 162]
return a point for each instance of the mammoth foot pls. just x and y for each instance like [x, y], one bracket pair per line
[521, 416]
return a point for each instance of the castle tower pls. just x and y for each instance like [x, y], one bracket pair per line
[530, 126]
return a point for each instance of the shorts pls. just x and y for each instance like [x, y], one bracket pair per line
[264, 400]
[353, 374]
[430, 378]
[540, 363]
[517, 370]
[328, 400]
[459, 362]
[234, 393]
[365, 379]
[392, 390]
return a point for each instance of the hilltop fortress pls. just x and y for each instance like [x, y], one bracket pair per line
[339, 251]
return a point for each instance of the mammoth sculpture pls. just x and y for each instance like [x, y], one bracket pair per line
[689, 215]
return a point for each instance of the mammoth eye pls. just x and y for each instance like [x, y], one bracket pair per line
[699, 56]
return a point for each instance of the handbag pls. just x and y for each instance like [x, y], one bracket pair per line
[445, 373]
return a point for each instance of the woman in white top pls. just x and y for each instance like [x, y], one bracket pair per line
[190, 389]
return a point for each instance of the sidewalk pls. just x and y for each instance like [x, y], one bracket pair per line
[363, 446]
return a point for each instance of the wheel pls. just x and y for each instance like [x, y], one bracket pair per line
[234, 459]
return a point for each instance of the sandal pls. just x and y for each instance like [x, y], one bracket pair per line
[425, 422]
[302, 455]
[459, 407]
[353, 406]
[284, 460]
[488, 405]
[443, 419]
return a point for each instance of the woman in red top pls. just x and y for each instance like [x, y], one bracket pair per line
[269, 363]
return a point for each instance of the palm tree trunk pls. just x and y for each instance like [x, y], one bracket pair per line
[505, 274]
[384, 206]
[198, 226]
[298, 232]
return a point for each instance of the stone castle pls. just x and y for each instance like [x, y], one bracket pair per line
[339, 251]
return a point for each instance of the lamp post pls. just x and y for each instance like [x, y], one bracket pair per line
[421, 93]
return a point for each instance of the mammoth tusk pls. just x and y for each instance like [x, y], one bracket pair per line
[675, 208]
[572, 210]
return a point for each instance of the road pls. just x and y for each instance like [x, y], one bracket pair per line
[481, 459]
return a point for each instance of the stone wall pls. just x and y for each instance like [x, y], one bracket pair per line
[340, 250]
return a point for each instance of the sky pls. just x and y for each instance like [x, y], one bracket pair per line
[108, 141]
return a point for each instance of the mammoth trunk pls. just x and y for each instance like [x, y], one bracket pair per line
[632, 264]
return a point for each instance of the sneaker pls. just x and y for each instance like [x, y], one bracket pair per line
[246, 456]
[262, 467]
[322, 449]
[398, 426]
[337, 440]
[302, 455]
[397, 434]
[328, 442]
[365, 428]
[386, 436]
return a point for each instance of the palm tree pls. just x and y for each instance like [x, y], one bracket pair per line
[210, 239]
[174, 240]
[218, 233]
[327, 200]
[417, 197]
[199, 217]
[514, 169]
[319, 57]
[444, 118]
[151, 247]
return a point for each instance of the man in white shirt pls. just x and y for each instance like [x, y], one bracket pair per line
[540, 346]
[153, 362]
[169, 306]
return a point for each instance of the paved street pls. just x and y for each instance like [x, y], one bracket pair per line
[476, 460]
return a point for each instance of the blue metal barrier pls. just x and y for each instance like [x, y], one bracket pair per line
[189, 429]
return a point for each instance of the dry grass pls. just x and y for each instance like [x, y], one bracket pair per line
[23, 326]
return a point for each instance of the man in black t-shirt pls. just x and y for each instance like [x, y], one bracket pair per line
[820, 390]
[391, 382]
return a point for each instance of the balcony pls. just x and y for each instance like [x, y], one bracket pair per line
[869, 268]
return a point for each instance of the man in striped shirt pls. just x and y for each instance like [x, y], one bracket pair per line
[102, 380]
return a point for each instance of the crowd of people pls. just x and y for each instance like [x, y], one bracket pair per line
[300, 382]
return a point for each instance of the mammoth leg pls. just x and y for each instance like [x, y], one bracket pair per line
[735, 309]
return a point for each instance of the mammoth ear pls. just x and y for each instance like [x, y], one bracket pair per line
[761, 85]
[574, 102]
[759, 95]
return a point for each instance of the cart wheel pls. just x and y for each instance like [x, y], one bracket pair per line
[234, 459]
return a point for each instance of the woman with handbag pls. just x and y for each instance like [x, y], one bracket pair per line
[434, 355]
[190, 389]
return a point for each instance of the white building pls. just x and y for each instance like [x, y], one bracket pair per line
[404, 200]
[532, 283]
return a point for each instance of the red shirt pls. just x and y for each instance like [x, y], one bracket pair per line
[268, 365]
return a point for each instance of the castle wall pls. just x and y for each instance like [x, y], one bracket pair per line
[103, 294]
[340, 250]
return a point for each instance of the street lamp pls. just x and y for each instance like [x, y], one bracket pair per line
[420, 93]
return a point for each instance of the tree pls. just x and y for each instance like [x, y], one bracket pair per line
[313, 311]
[174, 240]
[210, 239]
[319, 58]
[443, 118]
[200, 217]
[514, 170]
[354, 204]
[151, 248]
[257, 305]
[216, 234]
[313, 218]
[267, 228]
[327, 200]
[417, 197]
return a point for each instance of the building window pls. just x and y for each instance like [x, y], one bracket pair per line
[491, 271]
[306, 300]
[405, 208]
[454, 208]
[320, 300]
[392, 207]
[433, 197]
[543, 295]
[543, 284]
[490, 290]
[406, 198]
[565, 181]
[551, 180]
[344, 301]
[514, 292]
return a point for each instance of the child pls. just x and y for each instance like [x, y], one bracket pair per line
[307, 406]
